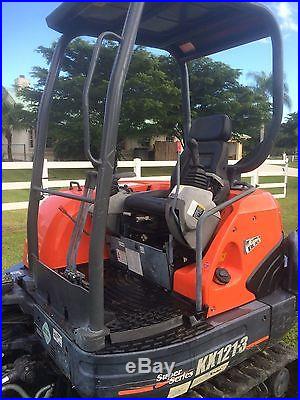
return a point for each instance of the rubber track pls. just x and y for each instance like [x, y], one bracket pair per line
[238, 381]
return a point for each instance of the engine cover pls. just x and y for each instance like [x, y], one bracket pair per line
[182, 217]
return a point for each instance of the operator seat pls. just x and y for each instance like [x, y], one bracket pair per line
[206, 151]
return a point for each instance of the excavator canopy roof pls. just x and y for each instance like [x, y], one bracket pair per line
[186, 30]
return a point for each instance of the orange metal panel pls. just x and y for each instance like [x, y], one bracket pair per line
[256, 214]
[56, 222]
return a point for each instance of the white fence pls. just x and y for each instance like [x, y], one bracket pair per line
[268, 168]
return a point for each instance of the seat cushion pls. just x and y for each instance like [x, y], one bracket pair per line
[151, 202]
[211, 128]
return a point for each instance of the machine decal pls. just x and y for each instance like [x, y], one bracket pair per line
[121, 256]
[209, 374]
[179, 390]
[251, 243]
[57, 337]
[185, 387]
[221, 356]
[141, 389]
[256, 342]
[46, 332]
[210, 365]
[134, 261]
[195, 210]
[176, 376]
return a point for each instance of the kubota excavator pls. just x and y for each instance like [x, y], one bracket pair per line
[191, 277]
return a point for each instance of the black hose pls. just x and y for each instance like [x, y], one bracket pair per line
[16, 388]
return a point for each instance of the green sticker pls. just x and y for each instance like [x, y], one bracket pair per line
[46, 332]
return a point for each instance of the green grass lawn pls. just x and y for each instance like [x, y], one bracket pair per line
[293, 164]
[13, 236]
[14, 229]
[74, 173]
[11, 196]
[25, 175]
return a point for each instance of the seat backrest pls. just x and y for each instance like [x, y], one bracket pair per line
[208, 137]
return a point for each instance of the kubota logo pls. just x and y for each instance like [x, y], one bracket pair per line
[251, 243]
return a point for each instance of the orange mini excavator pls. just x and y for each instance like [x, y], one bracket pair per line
[150, 288]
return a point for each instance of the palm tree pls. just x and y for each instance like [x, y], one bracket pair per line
[263, 84]
[13, 118]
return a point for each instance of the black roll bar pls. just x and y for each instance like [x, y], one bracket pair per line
[86, 90]
[185, 100]
[93, 337]
[39, 152]
[106, 165]
[263, 149]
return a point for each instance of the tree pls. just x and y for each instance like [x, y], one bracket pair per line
[151, 93]
[215, 88]
[148, 95]
[14, 117]
[264, 85]
[287, 139]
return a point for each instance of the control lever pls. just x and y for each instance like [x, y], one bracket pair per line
[193, 146]
[71, 269]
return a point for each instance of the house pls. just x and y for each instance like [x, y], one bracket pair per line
[162, 148]
[22, 139]
[133, 147]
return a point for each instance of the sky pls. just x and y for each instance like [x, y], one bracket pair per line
[24, 29]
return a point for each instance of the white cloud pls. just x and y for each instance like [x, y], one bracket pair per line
[287, 16]
[284, 10]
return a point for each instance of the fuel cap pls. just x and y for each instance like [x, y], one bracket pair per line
[222, 276]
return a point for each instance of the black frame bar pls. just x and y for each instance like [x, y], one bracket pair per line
[263, 149]
[62, 194]
[106, 166]
[39, 151]
[86, 90]
[185, 99]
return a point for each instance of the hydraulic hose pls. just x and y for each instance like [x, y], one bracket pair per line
[46, 389]
[16, 388]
